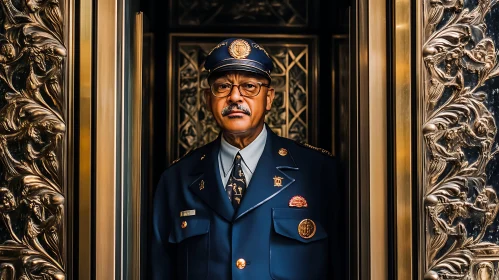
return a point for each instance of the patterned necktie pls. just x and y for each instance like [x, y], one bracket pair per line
[236, 186]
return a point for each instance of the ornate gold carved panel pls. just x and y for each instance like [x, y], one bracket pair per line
[32, 135]
[286, 13]
[294, 69]
[459, 130]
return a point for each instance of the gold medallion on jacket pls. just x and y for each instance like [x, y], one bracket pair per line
[306, 228]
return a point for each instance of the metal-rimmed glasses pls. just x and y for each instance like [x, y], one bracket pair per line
[247, 89]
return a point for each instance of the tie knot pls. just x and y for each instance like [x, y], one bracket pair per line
[238, 158]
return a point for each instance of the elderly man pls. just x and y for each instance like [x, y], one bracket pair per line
[249, 205]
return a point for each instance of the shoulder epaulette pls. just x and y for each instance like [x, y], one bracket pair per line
[303, 144]
[180, 158]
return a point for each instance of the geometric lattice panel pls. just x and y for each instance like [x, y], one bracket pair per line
[193, 126]
[286, 13]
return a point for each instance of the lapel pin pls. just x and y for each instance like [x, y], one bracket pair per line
[278, 181]
[201, 185]
[203, 156]
[298, 202]
[188, 213]
[283, 152]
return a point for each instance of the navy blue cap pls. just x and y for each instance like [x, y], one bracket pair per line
[237, 54]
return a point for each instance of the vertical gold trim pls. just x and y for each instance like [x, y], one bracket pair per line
[69, 168]
[85, 140]
[106, 142]
[419, 80]
[378, 139]
[136, 145]
[403, 148]
[361, 123]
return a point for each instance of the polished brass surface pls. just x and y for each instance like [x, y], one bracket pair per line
[136, 149]
[402, 70]
[33, 141]
[106, 139]
[378, 139]
[460, 203]
[191, 125]
[85, 141]
[360, 136]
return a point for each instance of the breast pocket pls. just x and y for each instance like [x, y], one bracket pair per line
[191, 234]
[298, 246]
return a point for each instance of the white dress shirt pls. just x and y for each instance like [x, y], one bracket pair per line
[250, 156]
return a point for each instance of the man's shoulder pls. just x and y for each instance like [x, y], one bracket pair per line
[190, 156]
[309, 148]
[303, 147]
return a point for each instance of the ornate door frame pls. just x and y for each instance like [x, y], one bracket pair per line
[445, 202]
[37, 61]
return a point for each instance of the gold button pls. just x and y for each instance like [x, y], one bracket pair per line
[241, 263]
[184, 224]
[283, 152]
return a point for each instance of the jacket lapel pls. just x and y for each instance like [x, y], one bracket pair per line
[207, 184]
[271, 175]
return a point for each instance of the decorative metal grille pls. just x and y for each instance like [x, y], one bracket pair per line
[291, 78]
[288, 13]
[32, 130]
[461, 107]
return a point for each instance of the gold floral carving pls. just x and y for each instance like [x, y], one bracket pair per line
[459, 132]
[32, 131]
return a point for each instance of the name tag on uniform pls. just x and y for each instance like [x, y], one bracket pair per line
[187, 213]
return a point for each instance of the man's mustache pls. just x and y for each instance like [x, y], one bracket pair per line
[234, 106]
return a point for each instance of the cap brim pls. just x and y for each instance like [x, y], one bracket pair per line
[240, 67]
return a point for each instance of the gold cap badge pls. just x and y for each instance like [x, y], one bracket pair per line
[239, 49]
[298, 201]
[306, 228]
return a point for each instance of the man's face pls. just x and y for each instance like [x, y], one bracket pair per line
[238, 114]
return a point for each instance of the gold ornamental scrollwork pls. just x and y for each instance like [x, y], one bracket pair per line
[459, 132]
[32, 131]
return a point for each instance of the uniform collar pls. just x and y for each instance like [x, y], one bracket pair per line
[250, 154]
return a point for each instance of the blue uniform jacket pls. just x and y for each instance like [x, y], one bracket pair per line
[263, 231]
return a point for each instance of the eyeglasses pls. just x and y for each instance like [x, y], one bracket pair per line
[248, 89]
